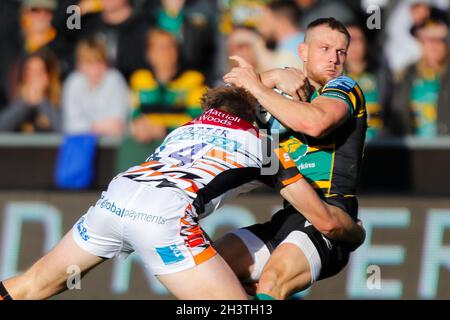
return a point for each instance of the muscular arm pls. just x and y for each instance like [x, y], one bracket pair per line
[270, 78]
[331, 221]
[316, 119]
[289, 80]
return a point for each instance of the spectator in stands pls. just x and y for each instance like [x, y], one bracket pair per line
[36, 21]
[375, 80]
[95, 96]
[165, 96]
[39, 32]
[401, 48]
[233, 14]
[250, 45]
[279, 24]
[35, 32]
[421, 101]
[90, 6]
[314, 9]
[240, 13]
[122, 28]
[36, 109]
[10, 48]
[193, 25]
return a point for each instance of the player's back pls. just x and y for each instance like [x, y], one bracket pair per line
[206, 158]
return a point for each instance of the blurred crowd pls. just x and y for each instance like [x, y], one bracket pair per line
[135, 69]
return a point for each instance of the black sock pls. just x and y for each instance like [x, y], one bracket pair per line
[4, 295]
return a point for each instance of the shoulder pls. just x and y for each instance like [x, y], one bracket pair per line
[347, 89]
[190, 78]
[343, 83]
[75, 77]
[346, 86]
[142, 79]
[113, 76]
[75, 81]
[406, 74]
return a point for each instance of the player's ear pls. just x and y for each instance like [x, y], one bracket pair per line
[303, 51]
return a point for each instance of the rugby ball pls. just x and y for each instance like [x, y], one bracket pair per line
[266, 121]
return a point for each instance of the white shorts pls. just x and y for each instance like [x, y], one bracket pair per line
[158, 223]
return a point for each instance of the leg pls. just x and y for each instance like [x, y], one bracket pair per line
[48, 275]
[293, 266]
[286, 272]
[246, 253]
[210, 280]
[177, 251]
[235, 253]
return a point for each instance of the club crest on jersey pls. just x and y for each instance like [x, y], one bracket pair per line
[343, 83]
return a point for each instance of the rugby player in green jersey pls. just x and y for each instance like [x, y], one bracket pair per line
[328, 122]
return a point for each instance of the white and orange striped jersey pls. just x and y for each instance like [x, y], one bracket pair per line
[154, 208]
[213, 157]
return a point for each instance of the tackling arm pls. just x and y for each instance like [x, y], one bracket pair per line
[331, 221]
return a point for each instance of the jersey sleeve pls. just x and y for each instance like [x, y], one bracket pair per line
[347, 90]
[287, 172]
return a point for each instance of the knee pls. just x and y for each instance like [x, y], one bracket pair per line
[278, 269]
[273, 280]
[281, 280]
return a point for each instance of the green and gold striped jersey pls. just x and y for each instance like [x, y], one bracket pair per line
[331, 164]
[171, 104]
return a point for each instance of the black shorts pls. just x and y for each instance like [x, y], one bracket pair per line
[333, 255]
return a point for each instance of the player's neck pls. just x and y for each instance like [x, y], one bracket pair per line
[316, 82]
[312, 82]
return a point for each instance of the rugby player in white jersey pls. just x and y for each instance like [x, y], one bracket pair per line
[154, 208]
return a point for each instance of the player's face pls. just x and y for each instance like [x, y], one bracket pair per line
[324, 54]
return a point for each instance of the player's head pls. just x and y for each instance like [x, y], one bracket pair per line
[324, 49]
[231, 99]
